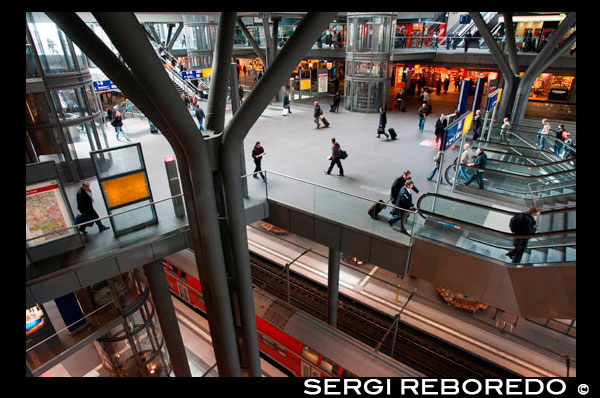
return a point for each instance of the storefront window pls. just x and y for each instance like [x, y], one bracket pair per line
[69, 103]
[51, 44]
[550, 87]
[37, 109]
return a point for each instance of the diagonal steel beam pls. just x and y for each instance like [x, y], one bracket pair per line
[511, 47]
[250, 39]
[171, 42]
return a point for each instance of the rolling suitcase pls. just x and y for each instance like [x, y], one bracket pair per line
[376, 209]
[392, 133]
[325, 122]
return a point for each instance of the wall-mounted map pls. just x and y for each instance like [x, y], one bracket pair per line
[46, 212]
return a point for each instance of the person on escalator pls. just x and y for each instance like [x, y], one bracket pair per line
[404, 201]
[479, 162]
[522, 224]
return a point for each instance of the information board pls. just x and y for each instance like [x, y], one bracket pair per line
[493, 99]
[305, 84]
[322, 87]
[126, 189]
[45, 212]
[456, 130]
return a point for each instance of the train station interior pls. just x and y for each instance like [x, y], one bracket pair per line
[218, 194]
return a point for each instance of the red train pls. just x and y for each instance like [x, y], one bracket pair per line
[301, 344]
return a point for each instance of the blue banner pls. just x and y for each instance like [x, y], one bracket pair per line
[104, 85]
[463, 96]
[493, 99]
[455, 131]
[478, 93]
[191, 74]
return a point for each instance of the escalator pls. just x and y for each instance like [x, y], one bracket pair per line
[462, 245]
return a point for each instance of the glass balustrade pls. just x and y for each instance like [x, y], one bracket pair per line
[485, 231]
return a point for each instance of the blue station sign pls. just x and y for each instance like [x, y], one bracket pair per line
[456, 130]
[493, 99]
[191, 74]
[104, 85]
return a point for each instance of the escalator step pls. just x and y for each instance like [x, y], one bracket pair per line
[544, 223]
[571, 220]
[568, 190]
[555, 255]
[537, 256]
[558, 221]
[571, 254]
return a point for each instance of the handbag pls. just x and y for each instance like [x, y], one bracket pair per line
[343, 154]
[285, 111]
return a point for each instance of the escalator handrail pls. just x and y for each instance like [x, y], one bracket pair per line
[519, 175]
[529, 157]
[548, 137]
[553, 163]
[488, 230]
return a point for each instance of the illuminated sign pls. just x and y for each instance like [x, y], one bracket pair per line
[206, 72]
[126, 189]
[104, 85]
[493, 99]
[398, 77]
[305, 84]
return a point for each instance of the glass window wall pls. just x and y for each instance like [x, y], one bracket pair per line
[80, 141]
[69, 103]
[31, 67]
[37, 109]
[48, 146]
[51, 44]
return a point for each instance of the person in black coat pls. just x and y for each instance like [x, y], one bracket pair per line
[286, 101]
[526, 226]
[317, 114]
[382, 123]
[336, 101]
[480, 161]
[404, 201]
[86, 208]
[399, 183]
[257, 154]
[200, 116]
[335, 157]
[477, 125]
[440, 125]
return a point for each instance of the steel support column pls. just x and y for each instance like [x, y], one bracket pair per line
[161, 297]
[155, 95]
[511, 47]
[235, 105]
[175, 36]
[498, 56]
[333, 285]
[250, 39]
[219, 81]
[233, 137]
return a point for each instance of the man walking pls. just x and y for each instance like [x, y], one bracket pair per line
[317, 114]
[405, 203]
[522, 224]
[465, 158]
[382, 123]
[86, 208]
[477, 125]
[257, 153]
[423, 112]
[200, 116]
[480, 161]
[335, 158]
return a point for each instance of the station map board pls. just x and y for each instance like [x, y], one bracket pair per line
[46, 212]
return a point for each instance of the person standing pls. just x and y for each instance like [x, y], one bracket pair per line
[335, 158]
[504, 130]
[404, 201]
[257, 154]
[480, 161]
[200, 116]
[286, 101]
[382, 124]
[544, 133]
[568, 143]
[437, 159]
[244, 69]
[400, 100]
[336, 101]
[558, 139]
[424, 97]
[438, 86]
[465, 158]
[467, 41]
[434, 41]
[317, 114]
[446, 85]
[423, 112]
[456, 83]
[86, 208]
[241, 94]
[117, 123]
[440, 125]
[477, 125]
[109, 113]
[522, 224]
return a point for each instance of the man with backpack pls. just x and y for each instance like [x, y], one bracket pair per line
[336, 155]
[522, 224]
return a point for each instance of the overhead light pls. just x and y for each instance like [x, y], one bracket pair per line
[535, 18]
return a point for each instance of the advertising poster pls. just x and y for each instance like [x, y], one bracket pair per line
[305, 84]
[45, 212]
[322, 83]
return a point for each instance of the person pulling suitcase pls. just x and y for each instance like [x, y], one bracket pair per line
[382, 123]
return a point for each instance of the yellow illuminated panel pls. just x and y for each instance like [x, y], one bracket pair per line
[207, 72]
[467, 123]
[499, 95]
[123, 190]
[305, 84]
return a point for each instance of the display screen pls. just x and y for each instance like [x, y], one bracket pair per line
[126, 189]
[46, 212]
[305, 84]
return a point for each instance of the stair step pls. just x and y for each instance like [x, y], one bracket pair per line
[570, 254]
[556, 255]
[558, 221]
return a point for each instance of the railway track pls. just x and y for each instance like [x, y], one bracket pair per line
[413, 347]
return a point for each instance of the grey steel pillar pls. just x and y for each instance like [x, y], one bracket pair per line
[235, 105]
[333, 285]
[215, 108]
[151, 90]
[161, 297]
[305, 35]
